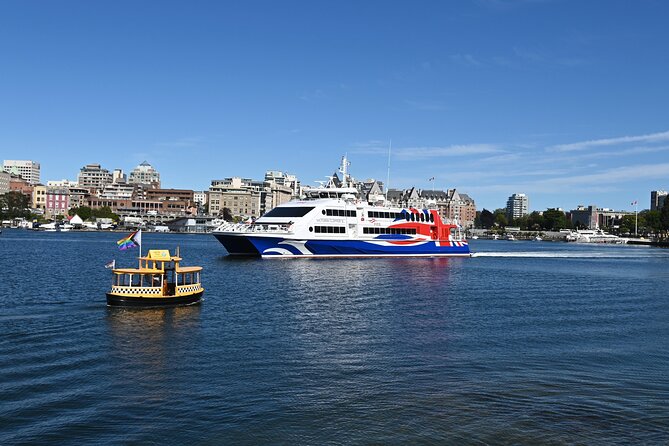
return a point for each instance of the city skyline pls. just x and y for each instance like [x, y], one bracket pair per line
[562, 101]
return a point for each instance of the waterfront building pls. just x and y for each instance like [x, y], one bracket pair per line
[18, 184]
[173, 200]
[145, 175]
[585, 217]
[610, 218]
[28, 170]
[94, 177]
[117, 191]
[657, 199]
[451, 205]
[517, 206]
[4, 182]
[62, 183]
[242, 196]
[459, 208]
[78, 196]
[279, 179]
[371, 190]
[39, 196]
[200, 197]
[57, 201]
[119, 177]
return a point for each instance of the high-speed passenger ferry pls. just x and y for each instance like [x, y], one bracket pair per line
[331, 221]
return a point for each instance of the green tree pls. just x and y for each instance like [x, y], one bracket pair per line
[554, 220]
[84, 212]
[500, 217]
[14, 204]
[627, 224]
[487, 219]
[664, 217]
[535, 221]
[652, 221]
[104, 212]
[226, 214]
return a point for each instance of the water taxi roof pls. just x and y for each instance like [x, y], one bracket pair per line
[161, 255]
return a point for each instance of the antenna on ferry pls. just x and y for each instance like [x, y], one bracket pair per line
[390, 145]
[344, 169]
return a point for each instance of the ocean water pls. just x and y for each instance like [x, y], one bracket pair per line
[524, 343]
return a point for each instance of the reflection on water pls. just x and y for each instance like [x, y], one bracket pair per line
[142, 338]
[556, 344]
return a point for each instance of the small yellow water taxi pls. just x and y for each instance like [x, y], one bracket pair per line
[159, 281]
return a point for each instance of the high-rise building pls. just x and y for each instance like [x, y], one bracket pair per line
[657, 198]
[93, 176]
[585, 217]
[146, 175]
[4, 182]
[517, 206]
[28, 170]
[119, 177]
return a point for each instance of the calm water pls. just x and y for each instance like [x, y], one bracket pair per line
[526, 343]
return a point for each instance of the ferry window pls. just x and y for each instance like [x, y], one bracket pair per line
[422, 217]
[413, 217]
[323, 211]
[406, 215]
[431, 218]
[311, 229]
[289, 211]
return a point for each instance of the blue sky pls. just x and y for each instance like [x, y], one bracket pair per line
[566, 101]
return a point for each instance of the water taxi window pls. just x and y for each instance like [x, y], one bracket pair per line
[289, 211]
[431, 218]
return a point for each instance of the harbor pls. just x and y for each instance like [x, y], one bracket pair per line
[523, 343]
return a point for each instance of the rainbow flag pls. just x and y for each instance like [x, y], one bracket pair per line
[134, 239]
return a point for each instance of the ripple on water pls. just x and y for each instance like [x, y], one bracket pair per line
[530, 344]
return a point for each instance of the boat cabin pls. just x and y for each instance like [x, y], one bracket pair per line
[159, 275]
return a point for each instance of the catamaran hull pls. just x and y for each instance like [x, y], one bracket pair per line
[237, 244]
[279, 247]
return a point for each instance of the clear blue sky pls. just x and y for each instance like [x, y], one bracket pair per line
[566, 101]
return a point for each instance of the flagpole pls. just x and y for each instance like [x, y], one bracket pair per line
[636, 217]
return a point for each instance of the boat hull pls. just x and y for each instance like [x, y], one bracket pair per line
[115, 300]
[281, 247]
[237, 244]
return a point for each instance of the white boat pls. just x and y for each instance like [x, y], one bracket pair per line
[333, 221]
[597, 236]
[510, 237]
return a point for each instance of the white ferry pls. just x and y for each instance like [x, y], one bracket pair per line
[332, 221]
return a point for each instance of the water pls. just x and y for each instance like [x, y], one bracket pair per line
[525, 343]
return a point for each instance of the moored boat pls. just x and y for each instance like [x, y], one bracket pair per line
[159, 280]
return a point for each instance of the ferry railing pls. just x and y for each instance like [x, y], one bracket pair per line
[254, 227]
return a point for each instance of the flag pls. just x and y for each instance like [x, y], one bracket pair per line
[134, 239]
[430, 179]
[634, 203]
[111, 264]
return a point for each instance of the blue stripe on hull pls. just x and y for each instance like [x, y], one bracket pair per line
[274, 246]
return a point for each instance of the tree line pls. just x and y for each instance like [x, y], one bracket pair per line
[647, 221]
